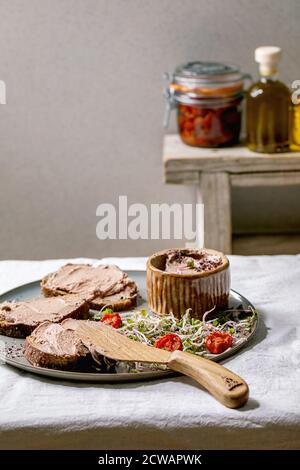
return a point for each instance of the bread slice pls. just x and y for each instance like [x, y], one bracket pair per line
[101, 286]
[53, 346]
[56, 346]
[124, 300]
[20, 318]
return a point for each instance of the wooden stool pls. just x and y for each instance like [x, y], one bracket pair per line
[214, 172]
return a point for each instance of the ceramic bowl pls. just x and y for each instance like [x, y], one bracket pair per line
[199, 291]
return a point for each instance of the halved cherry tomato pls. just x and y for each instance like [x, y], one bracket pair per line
[112, 319]
[169, 342]
[209, 127]
[218, 342]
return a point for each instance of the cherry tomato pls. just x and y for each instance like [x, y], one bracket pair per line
[188, 125]
[218, 342]
[112, 319]
[209, 127]
[169, 342]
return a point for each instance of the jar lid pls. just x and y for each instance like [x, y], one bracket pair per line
[207, 72]
[207, 78]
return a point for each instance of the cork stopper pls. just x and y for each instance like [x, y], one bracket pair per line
[268, 58]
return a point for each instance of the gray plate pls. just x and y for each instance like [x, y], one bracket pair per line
[11, 348]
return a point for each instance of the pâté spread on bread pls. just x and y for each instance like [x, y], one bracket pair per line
[69, 293]
[56, 346]
[103, 285]
[19, 318]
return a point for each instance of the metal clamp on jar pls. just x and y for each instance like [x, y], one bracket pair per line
[208, 97]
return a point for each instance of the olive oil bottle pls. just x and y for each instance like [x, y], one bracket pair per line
[295, 128]
[268, 106]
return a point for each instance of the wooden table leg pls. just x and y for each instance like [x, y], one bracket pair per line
[215, 193]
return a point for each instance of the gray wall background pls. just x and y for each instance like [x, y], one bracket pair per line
[84, 110]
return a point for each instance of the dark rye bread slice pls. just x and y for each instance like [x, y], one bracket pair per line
[20, 318]
[102, 286]
[56, 346]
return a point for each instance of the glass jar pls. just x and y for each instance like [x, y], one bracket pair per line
[208, 98]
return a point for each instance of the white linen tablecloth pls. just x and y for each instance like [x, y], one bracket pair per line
[40, 413]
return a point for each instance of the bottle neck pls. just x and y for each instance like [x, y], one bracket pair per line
[267, 73]
[268, 78]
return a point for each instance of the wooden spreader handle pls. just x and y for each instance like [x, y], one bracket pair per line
[224, 385]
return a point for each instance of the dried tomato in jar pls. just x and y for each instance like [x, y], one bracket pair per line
[208, 97]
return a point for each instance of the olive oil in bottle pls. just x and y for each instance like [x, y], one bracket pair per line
[268, 106]
[295, 127]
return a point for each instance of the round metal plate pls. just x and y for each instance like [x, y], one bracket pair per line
[10, 348]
